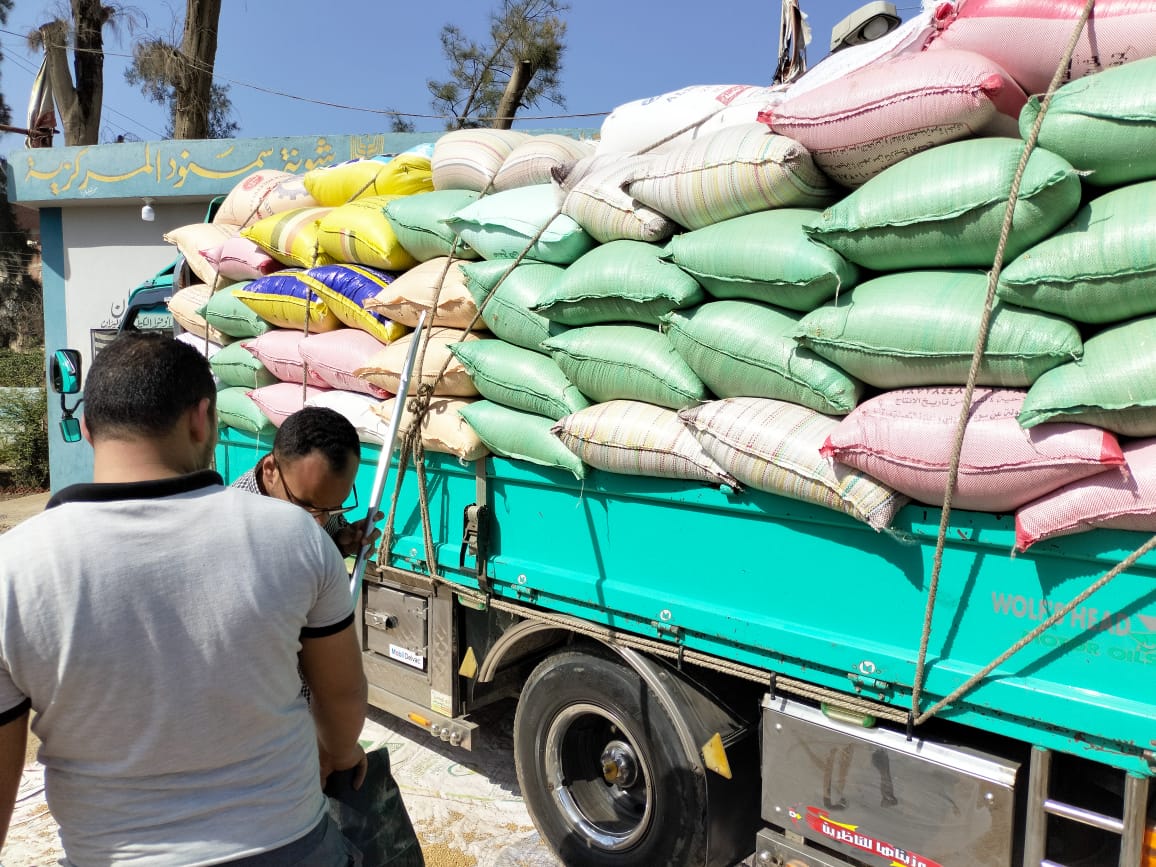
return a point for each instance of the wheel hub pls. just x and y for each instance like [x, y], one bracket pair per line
[619, 764]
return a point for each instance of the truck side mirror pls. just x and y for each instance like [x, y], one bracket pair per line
[64, 371]
[64, 374]
[70, 429]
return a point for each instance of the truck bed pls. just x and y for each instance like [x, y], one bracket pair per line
[808, 593]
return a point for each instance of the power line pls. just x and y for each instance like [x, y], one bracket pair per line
[31, 70]
[203, 67]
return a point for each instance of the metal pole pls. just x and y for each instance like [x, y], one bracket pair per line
[383, 460]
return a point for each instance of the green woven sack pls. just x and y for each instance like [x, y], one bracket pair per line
[230, 315]
[237, 410]
[518, 378]
[622, 281]
[944, 207]
[507, 313]
[745, 349]
[626, 362]
[520, 435]
[1113, 386]
[503, 225]
[419, 221]
[234, 365]
[765, 256]
[1103, 124]
[1101, 267]
[920, 328]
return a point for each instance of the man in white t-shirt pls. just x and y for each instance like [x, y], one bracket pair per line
[154, 620]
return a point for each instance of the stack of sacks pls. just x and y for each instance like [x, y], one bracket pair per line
[692, 314]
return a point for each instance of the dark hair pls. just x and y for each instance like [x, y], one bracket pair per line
[317, 429]
[142, 382]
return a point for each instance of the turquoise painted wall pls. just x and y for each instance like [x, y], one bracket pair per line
[69, 462]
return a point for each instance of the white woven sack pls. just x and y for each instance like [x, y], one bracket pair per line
[1115, 499]
[593, 192]
[910, 37]
[532, 161]
[773, 446]
[412, 293]
[357, 409]
[737, 171]
[261, 194]
[686, 114]
[443, 430]
[638, 439]
[468, 159]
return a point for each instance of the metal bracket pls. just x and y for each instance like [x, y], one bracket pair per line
[476, 528]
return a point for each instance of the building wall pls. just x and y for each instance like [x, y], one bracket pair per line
[94, 258]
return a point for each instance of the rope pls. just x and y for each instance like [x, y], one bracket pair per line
[976, 360]
[419, 404]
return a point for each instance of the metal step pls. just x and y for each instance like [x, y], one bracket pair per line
[1130, 827]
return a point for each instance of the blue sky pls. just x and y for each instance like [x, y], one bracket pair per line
[378, 55]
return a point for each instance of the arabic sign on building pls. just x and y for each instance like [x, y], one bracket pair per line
[187, 169]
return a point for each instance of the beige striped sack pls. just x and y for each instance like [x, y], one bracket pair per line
[412, 293]
[532, 161]
[593, 194]
[385, 367]
[469, 159]
[194, 238]
[736, 171]
[638, 439]
[185, 307]
[443, 430]
[773, 446]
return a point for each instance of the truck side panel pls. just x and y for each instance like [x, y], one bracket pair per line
[808, 593]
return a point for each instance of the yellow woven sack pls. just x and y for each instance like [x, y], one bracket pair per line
[288, 311]
[403, 175]
[291, 237]
[360, 234]
[345, 289]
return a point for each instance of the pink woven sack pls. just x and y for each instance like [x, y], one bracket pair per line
[856, 126]
[1116, 500]
[240, 259]
[1028, 37]
[904, 439]
[282, 399]
[334, 355]
[279, 349]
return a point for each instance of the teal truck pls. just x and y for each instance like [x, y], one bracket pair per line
[703, 674]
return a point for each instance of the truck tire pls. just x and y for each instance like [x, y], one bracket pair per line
[603, 770]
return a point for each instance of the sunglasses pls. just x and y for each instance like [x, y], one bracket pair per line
[315, 511]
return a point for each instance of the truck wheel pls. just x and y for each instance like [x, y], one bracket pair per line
[603, 769]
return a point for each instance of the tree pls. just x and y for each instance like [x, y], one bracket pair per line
[78, 92]
[181, 76]
[519, 67]
[21, 319]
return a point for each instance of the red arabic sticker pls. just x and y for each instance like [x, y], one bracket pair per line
[849, 835]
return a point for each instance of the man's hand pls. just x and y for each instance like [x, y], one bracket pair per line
[356, 759]
[350, 539]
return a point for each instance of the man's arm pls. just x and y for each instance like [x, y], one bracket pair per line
[331, 665]
[13, 743]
